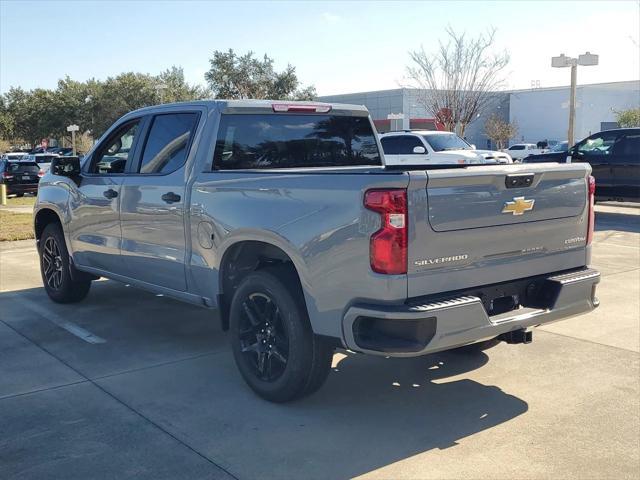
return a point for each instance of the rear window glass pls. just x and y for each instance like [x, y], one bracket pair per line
[23, 167]
[254, 141]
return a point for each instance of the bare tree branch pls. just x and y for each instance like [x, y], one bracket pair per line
[459, 81]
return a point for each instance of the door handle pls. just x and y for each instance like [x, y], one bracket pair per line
[170, 197]
[111, 193]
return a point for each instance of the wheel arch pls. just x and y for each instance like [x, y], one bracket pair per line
[42, 218]
[246, 256]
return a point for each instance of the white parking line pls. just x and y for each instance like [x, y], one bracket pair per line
[56, 319]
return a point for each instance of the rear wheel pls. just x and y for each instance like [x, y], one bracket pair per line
[56, 269]
[273, 345]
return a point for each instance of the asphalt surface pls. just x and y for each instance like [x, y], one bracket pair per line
[130, 385]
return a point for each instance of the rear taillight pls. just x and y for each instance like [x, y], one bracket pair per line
[7, 175]
[301, 108]
[592, 215]
[41, 173]
[388, 246]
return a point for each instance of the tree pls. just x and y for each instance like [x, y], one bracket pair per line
[93, 105]
[628, 118]
[500, 131]
[458, 82]
[232, 76]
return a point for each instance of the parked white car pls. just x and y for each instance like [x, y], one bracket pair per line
[523, 150]
[14, 156]
[419, 147]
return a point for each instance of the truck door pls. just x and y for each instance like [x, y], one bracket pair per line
[94, 229]
[626, 165]
[152, 207]
[596, 150]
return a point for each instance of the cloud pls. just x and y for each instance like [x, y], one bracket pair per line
[331, 18]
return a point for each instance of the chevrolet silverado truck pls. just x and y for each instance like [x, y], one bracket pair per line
[285, 218]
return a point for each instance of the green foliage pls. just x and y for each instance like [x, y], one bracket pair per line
[93, 105]
[236, 77]
[628, 118]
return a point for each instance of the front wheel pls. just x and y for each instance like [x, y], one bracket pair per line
[273, 345]
[56, 269]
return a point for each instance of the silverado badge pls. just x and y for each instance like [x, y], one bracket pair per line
[518, 206]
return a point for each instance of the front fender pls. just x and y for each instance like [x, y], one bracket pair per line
[53, 194]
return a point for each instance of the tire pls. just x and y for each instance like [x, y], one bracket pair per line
[273, 344]
[55, 268]
[19, 195]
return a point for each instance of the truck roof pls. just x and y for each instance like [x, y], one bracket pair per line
[261, 106]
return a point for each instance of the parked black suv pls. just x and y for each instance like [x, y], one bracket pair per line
[20, 177]
[614, 156]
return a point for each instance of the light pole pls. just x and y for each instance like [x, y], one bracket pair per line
[89, 102]
[587, 59]
[73, 129]
[160, 89]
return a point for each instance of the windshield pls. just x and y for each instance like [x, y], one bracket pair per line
[559, 147]
[448, 141]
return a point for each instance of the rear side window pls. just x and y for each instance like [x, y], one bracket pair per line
[400, 144]
[253, 141]
[517, 147]
[168, 142]
[628, 146]
[23, 167]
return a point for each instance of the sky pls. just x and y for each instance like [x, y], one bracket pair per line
[340, 47]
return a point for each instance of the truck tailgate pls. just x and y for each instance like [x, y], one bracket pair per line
[490, 224]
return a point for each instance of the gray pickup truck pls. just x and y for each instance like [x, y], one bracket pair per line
[283, 216]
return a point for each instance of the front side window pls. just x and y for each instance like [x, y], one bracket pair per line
[250, 141]
[114, 153]
[400, 144]
[446, 141]
[598, 144]
[168, 142]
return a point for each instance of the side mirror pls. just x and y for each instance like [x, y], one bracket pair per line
[473, 147]
[419, 150]
[66, 166]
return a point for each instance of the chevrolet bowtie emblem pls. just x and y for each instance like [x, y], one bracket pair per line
[518, 206]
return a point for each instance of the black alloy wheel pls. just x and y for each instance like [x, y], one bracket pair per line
[263, 336]
[52, 263]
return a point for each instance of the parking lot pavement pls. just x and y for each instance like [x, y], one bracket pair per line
[130, 385]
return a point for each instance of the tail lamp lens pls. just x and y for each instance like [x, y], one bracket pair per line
[388, 246]
[592, 215]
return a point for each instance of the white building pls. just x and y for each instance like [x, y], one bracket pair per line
[544, 113]
[541, 113]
